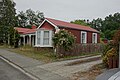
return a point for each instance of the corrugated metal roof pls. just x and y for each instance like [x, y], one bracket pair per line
[25, 30]
[71, 25]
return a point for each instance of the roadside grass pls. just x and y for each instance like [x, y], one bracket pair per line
[82, 61]
[91, 74]
[44, 55]
[83, 55]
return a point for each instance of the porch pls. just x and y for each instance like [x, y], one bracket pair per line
[28, 39]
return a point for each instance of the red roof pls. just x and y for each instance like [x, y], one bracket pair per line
[71, 25]
[25, 30]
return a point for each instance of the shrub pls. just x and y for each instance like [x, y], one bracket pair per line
[112, 53]
[63, 39]
[112, 49]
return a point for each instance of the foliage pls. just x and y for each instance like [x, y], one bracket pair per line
[30, 17]
[7, 19]
[112, 49]
[22, 19]
[97, 24]
[116, 38]
[13, 37]
[81, 22]
[108, 26]
[7, 13]
[63, 39]
[3, 34]
[109, 54]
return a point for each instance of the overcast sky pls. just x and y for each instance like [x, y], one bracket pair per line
[68, 10]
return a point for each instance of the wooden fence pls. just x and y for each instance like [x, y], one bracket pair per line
[79, 49]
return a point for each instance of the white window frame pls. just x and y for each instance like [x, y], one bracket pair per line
[42, 38]
[94, 41]
[85, 41]
[38, 36]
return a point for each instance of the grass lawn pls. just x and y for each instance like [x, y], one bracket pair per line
[43, 55]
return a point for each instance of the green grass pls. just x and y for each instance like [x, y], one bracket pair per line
[44, 55]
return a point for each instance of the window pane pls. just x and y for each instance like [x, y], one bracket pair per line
[94, 38]
[46, 41]
[38, 41]
[38, 37]
[46, 38]
[83, 37]
[46, 34]
[38, 34]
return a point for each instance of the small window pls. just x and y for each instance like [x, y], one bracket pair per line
[83, 37]
[94, 38]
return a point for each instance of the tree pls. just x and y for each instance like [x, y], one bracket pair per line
[111, 24]
[14, 37]
[7, 13]
[81, 22]
[108, 26]
[30, 18]
[7, 19]
[22, 19]
[97, 24]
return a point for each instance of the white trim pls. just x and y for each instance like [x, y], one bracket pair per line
[48, 22]
[51, 35]
[21, 35]
[41, 39]
[94, 41]
[36, 38]
[41, 24]
[85, 36]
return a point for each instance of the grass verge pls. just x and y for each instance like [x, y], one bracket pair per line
[44, 55]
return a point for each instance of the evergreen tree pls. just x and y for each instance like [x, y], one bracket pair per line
[7, 13]
[7, 19]
[97, 24]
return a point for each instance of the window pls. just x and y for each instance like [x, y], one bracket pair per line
[83, 37]
[44, 38]
[38, 37]
[94, 38]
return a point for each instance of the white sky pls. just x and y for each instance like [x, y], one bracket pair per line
[69, 10]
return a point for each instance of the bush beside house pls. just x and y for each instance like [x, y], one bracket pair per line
[111, 52]
[63, 39]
